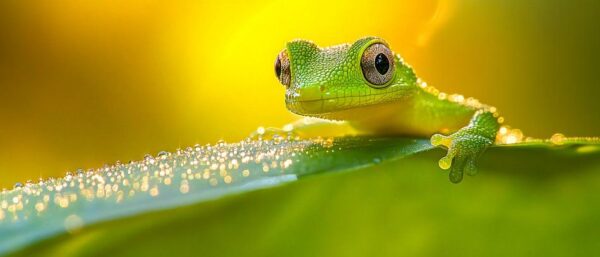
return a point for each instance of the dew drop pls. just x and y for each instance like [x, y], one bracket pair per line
[277, 139]
[73, 223]
[163, 155]
[149, 159]
[288, 128]
[558, 139]
[68, 176]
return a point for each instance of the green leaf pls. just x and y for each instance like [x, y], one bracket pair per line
[36, 211]
[534, 198]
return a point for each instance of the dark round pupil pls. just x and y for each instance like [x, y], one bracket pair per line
[278, 67]
[382, 64]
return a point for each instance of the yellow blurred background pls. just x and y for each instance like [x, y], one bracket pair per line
[85, 83]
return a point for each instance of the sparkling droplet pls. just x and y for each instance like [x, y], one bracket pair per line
[277, 139]
[68, 176]
[163, 155]
[558, 139]
[73, 223]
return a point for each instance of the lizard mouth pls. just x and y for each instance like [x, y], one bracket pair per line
[316, 106]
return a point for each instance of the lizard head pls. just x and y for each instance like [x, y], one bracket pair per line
[326, 82]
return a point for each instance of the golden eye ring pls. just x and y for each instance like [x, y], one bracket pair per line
[377, 64]
[282, 68]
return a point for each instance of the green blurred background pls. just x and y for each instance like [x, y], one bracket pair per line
[85, 83]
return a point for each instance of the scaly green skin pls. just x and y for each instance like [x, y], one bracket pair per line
[329, 83]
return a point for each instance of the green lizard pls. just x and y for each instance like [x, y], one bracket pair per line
[375, 92]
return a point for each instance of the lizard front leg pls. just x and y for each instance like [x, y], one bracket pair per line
[467, 144]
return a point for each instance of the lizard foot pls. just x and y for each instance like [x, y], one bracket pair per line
[464, 148]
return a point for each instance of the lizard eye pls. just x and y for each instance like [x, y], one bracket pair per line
[282, 68]
[377, 64]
